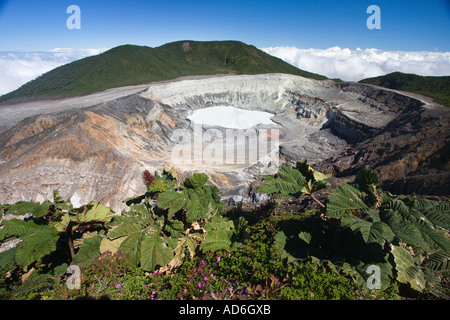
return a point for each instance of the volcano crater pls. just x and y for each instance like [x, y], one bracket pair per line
[96, 147]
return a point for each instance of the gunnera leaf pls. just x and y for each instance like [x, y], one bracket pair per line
[289, 183]
[93, 212]
[218, 234]
[173, 201]
[197, 181]
[22, 207]
[89, 250]
[371, 231]
[407, 271]
[155, 250]
[344, 200]
[35, 245]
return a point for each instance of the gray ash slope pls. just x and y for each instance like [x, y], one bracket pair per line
[96, 147]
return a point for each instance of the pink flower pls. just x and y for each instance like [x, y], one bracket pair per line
[218, 259]
[118, 286]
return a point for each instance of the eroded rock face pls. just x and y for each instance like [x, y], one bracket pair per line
[96, 147]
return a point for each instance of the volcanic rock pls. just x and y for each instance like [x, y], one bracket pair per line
[96, 147]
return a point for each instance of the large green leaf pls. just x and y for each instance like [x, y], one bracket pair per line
[155, 250]
[218, 234]
[366, 177]
[439, 214]
[22, 207]
[130, 232]
[202, 203]
[126, 228]
[407, 271]
[127, 236]
[280, 240]
[175, 228]
[37, 241]
[110, 245]
[17, 227]
[404, 230]
[344, 200]
[197, 199]
[36, 245]
[197, 207]
[132, 245]
[62, 223]
[7, 259]
[422, 272]
[438, 261]
[89, 250]
[216, 240]
[173, 201]
[396, 205]
[371, 231]
[92, 212]
[426, 204]
[197, 181]
[289, 183]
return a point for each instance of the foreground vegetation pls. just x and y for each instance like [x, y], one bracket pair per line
[179, 241]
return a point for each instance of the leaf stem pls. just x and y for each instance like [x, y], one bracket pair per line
[316, 200]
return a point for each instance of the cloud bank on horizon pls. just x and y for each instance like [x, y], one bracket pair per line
[17, 68]
[355, 65]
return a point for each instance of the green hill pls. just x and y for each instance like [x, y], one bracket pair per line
[131, 65]
[435, 87]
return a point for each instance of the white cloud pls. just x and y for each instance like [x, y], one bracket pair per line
[354, 65]
[19, 67]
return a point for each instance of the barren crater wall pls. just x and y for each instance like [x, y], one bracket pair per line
[96, 147]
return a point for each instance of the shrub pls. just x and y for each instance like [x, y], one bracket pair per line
[111, 276]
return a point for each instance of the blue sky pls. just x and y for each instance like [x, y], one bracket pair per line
[416, 25]
[326, 37]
